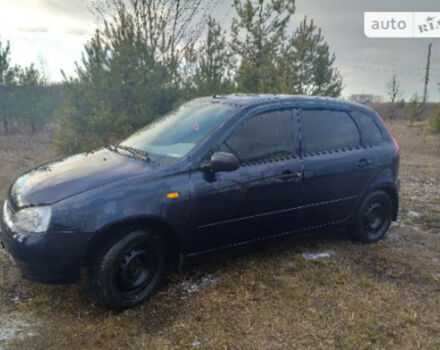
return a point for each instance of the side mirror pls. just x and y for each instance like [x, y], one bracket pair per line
[223, 161]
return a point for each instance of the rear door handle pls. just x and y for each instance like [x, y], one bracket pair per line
[290, 175]
[363, 163]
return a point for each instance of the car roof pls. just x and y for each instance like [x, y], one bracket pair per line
[248, 100]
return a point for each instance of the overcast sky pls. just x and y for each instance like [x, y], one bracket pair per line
[53, 32]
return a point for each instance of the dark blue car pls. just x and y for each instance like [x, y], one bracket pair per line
[216, 173]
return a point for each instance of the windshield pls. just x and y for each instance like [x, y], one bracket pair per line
[178, 132]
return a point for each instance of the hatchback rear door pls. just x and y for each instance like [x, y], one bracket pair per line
[337, 167]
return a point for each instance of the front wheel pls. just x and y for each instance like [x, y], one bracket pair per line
[374, 218]
[125, 272]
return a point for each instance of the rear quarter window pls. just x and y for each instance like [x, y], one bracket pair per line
[370, 132]
[325, 130]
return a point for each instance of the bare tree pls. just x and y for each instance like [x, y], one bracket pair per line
[394, 92]
[393, 89]
[168, 27]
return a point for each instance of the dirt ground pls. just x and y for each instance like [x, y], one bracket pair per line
[267, 296]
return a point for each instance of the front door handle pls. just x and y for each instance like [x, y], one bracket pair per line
[363, 163]
[290, 175]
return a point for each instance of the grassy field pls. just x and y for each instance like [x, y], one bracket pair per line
[385, 295]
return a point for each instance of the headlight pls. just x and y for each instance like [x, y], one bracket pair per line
[31, 220]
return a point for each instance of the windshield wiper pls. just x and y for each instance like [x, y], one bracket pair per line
[112, 148]
[136, 153]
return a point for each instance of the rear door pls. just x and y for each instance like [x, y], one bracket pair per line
[257, 199]
[337, 167]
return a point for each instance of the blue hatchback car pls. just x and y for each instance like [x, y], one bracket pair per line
[216, 173]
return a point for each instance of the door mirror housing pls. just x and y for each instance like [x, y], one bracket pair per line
[223, 161]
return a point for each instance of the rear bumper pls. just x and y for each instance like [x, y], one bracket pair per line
[55, 257]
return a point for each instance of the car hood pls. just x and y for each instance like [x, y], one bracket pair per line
[62, 179]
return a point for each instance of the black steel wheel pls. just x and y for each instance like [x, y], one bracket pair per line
[374, 218]
[126, 271]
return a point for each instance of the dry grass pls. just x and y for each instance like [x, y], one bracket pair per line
[388, 110]
[385, 295]
[21, 152]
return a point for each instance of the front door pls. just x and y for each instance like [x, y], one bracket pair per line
[259, 198]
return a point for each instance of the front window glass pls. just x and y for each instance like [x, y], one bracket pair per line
[266, 136]
[178, 132]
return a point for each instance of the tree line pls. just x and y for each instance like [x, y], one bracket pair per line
[416, 106]
[150, 55]
[26, 99]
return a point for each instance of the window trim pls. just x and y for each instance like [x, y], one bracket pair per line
[333, 150]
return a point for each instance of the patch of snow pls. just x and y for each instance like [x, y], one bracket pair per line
[315, 256]
[413, 214]
[190, 288]
[13, 327]
[208, 279]
[203, 281]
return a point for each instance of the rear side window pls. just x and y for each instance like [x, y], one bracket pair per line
[265, 136]
[370, 132]
[325, 130]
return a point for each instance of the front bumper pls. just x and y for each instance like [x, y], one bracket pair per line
[54, 257]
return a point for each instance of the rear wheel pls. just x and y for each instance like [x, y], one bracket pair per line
[374, 218]
[125, 272]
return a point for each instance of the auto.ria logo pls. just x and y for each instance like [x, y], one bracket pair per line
[432, 24]
[402, 24]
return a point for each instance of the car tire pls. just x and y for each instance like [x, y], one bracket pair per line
[374, 218]
[126, 271]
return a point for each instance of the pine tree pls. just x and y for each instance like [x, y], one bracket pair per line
[34, 108]
[146, 60]
[8, 82]
[120, 88]
[213, 74]
[257, 36]
[306, 65]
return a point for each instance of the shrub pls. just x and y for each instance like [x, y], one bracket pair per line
[415, 108]
[434, 123]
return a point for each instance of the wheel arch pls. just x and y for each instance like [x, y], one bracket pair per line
[391, 191]
[386, 181]
[113, 231]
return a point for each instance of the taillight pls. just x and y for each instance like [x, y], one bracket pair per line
[396, 145]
